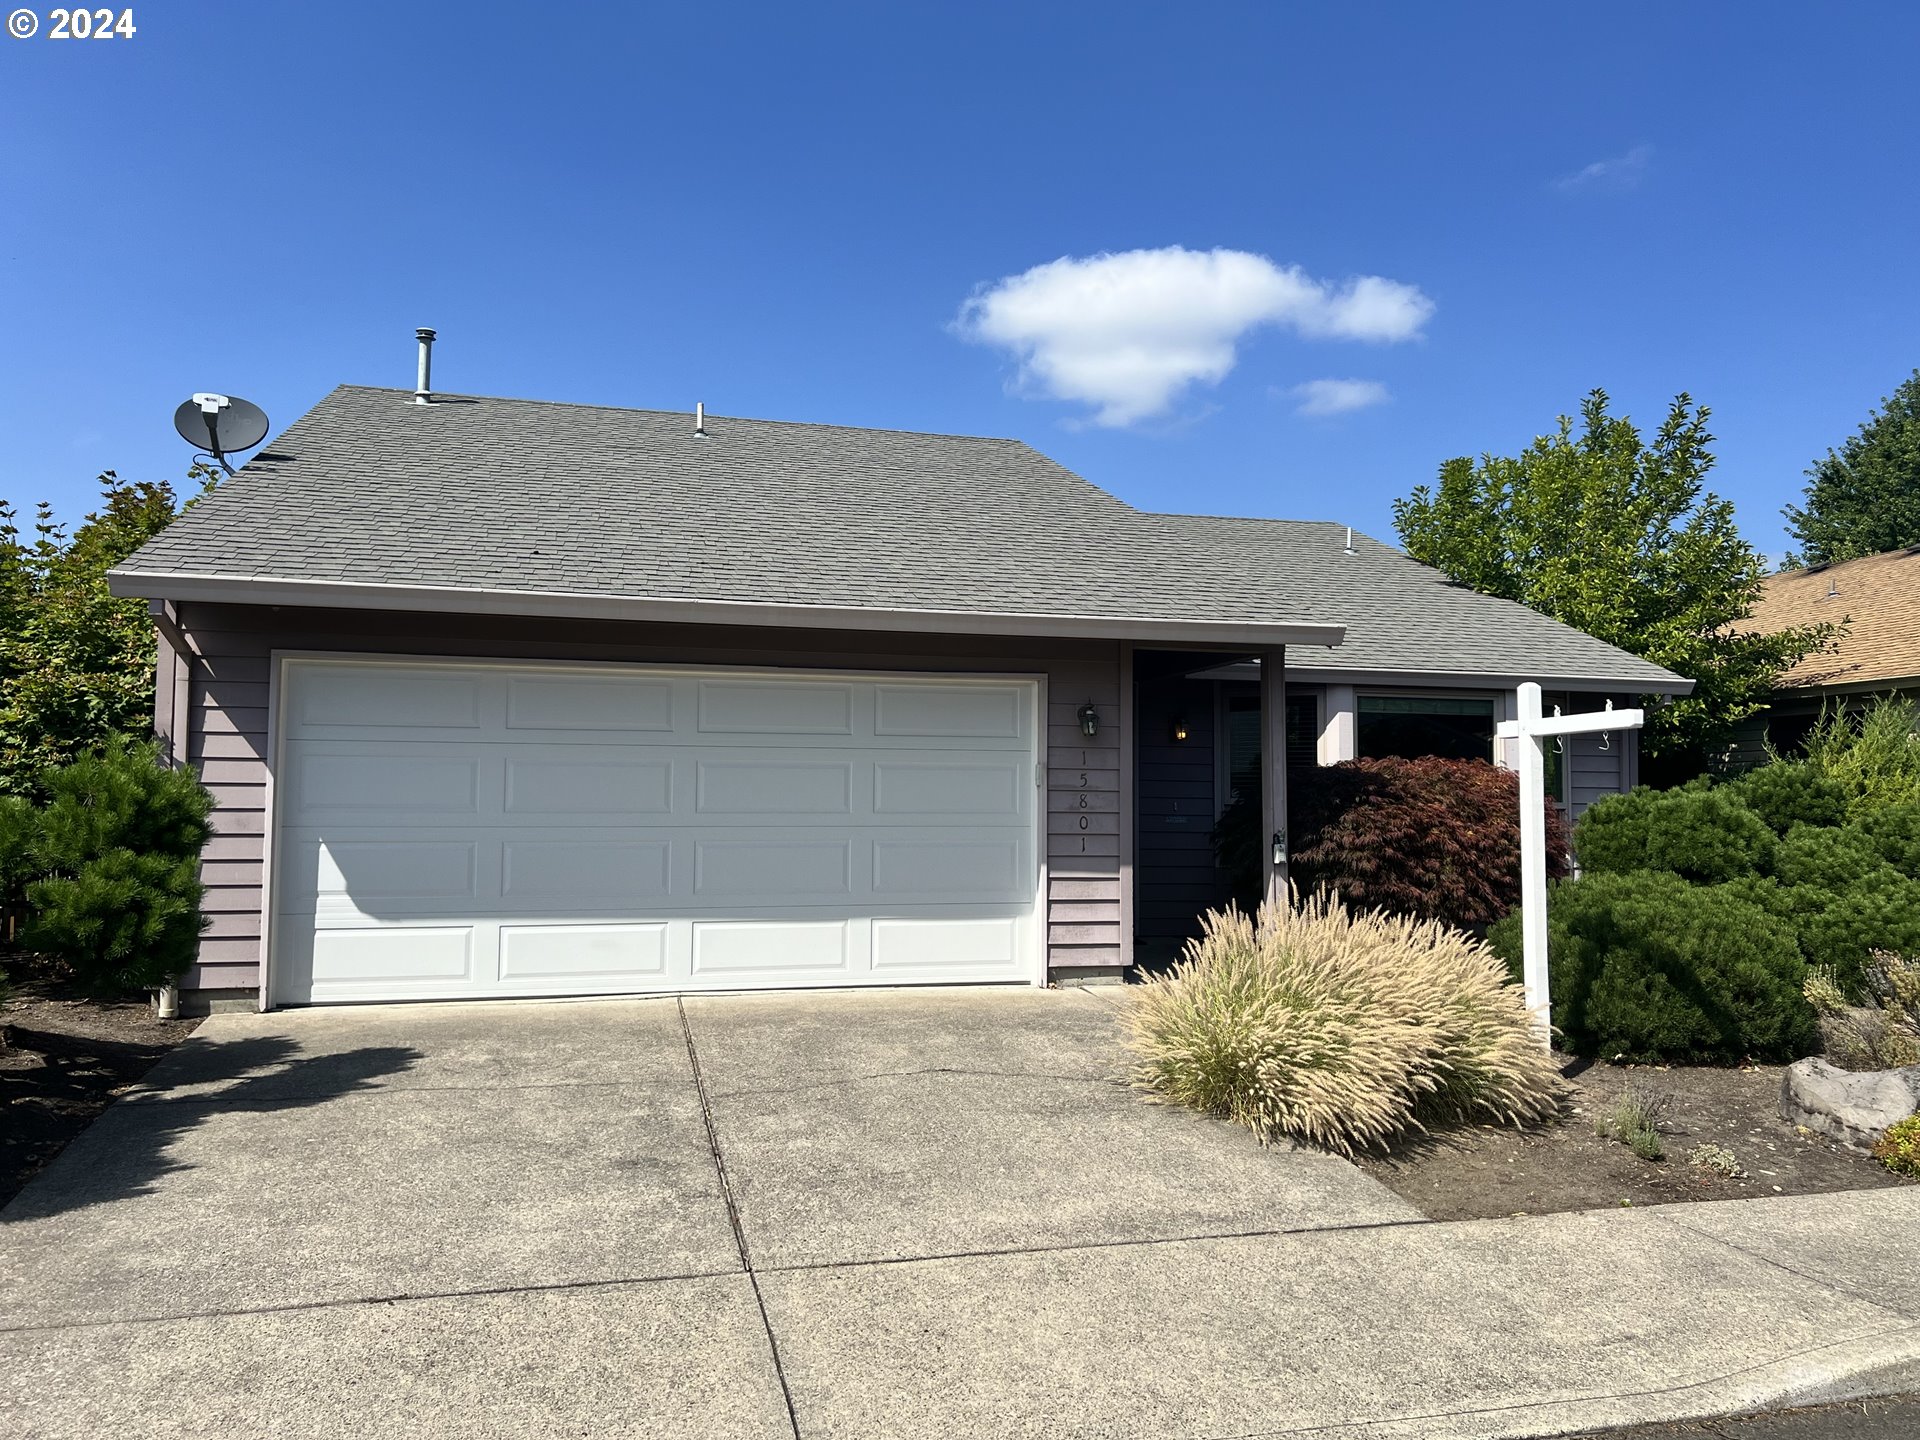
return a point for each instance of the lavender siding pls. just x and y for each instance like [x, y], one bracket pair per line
[225, 704]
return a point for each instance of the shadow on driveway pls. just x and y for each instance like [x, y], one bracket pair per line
[126, 1150]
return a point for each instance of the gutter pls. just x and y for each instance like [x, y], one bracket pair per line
[215, 588]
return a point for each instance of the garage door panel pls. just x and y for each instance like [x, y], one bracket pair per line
[938, 867]
[772, 949]
[946, 945]
[614, 872]
[325, 784]
[630, 829]
[542, 956]
[610, 785]
[932, 711]
[923, 788]
[621, 704]
[403, 956]
[775, 707]
[370, 871]
[760, 785]
[773, 869]
[359, 697]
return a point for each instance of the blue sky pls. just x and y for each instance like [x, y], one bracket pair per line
[783, 211]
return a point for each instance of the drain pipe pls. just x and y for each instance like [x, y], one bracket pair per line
[167, 1002]
[423, 391]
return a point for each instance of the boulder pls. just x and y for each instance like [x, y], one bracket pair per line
[1852, 1106]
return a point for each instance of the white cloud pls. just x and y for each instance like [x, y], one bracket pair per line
[1128, 333]
[1621, 172]
[1338, 397]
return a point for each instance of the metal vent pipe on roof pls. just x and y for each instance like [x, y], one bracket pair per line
[700, 417]
[423, 390]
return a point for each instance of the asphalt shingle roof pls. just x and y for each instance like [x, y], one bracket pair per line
[1402, 616]
[480, 494]
[488, 494]
[1876, 596]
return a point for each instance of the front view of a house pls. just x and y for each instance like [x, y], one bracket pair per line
[505, 698]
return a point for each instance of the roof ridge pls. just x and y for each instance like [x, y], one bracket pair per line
[711, 414]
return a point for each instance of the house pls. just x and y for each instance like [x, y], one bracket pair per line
[1876, 599]
[506, 698]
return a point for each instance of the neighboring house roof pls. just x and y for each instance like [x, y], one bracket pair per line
[518, 506]
[1405, 618]
[1877, 596]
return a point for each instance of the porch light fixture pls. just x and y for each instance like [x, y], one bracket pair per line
[1179, 730]
[1089, 720]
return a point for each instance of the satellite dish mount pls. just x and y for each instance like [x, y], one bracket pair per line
[220, 425]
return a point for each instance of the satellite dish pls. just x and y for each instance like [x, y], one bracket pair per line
[221, 425]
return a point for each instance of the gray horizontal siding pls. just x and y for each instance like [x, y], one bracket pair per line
[227, 699]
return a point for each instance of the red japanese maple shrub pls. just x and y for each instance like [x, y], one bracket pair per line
[1432, 838]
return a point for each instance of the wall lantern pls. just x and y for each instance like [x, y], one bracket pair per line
[1089, 719]
[1179, 730]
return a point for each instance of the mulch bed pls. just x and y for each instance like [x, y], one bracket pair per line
[1487, 1172]
[63, 1058]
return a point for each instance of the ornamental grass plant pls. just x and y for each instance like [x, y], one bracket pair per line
[1343, 1031]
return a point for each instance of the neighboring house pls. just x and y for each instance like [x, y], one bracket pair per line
[498, 698]
[1877, 599]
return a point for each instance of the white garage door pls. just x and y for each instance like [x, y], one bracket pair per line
[464, 830]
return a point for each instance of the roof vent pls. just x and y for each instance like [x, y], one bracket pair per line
[700, 419]
[1833, 588]
[1350, 549]
[423, 390]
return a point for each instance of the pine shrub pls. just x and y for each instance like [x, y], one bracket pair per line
[1339, 1030]
[1872, 755]
[1787, 793]
[117, 849]
[1648, 967]
[1430, 838]
[1842, 928]
[1829, 859]
[1894, 831]
[1697, 833]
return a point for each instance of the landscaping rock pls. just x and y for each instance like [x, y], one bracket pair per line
[1853, 1107]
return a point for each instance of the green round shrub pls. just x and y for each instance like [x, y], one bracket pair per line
[1708, 835]
[1612, 835]
[1787, 793]
[1648, 967]
[1829, 859]
[1894, 830]
[1699, 834]
[114, 857]
[1842, 928]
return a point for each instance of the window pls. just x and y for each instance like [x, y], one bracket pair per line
[1454, 727]
[1240, 759]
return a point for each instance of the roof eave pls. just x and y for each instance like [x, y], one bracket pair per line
[461, 600]
[1662, 683]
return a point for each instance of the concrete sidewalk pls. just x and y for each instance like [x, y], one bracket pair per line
[932, 1213]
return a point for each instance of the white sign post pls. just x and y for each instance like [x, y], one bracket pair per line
[1528, 732]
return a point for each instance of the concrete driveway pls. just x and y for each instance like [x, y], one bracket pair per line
[616, 1217]
[857, 1216]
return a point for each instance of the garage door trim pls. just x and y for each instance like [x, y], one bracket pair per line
[285, 662]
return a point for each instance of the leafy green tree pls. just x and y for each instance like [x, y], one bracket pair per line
[1864, 497]
[1617, 536]
[76, 664]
